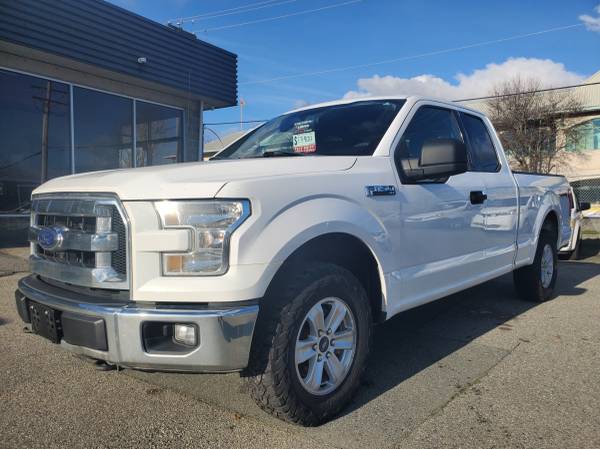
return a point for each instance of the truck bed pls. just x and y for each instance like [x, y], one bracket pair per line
[533, 186]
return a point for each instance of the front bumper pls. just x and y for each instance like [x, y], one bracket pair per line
[225, 333]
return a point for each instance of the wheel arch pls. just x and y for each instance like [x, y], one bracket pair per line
[347, 251]
[551, 223]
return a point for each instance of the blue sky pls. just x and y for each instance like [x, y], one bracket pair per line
[374, 30]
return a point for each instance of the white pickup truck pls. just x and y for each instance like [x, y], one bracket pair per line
[278, 256]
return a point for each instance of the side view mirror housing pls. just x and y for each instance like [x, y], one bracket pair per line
[584, 205]
[440, 158]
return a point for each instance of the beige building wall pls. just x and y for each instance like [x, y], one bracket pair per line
[585, 163]
[582, 165]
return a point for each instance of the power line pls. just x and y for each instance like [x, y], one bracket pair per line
[406, 58]
[187, 19]
[548, 89]
[284, 16]
[233, 11]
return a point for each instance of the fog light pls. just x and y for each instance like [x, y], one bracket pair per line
[185, 334]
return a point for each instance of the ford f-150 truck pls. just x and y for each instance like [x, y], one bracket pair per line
[278, 256]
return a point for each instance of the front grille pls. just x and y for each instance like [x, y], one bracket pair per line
[87, 224]
[81, 240]
[119, 257]
[72, 257]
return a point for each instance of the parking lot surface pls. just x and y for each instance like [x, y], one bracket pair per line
[478, 369]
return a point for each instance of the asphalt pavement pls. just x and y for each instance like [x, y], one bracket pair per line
[479, 369]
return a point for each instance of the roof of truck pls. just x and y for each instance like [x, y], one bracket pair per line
[414, 98]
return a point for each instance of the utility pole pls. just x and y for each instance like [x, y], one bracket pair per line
[45, 117]
[46, 100]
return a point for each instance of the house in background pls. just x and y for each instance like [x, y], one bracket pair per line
[217, 142]
[86, 85]
[582, 165]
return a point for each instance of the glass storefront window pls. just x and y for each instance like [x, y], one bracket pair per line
[34, 131]
[103, 130]
[36, 122]
[158, 133]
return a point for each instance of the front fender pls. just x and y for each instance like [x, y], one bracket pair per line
[272, 237]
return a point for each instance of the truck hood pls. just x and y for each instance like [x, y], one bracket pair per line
[191, 180]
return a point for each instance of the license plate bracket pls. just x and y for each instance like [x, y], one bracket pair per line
[45, 321]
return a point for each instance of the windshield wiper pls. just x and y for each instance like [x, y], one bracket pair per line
[276, 153]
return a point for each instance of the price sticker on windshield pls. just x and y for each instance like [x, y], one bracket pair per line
[303, 139]
[305, 142]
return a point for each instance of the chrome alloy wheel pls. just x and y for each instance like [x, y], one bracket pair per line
[547, 266]
[325, 346]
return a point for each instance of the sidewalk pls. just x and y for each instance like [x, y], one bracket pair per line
[14, 260]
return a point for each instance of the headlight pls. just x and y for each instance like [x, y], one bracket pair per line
[211, 223]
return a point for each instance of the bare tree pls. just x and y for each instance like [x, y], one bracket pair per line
[535, 127]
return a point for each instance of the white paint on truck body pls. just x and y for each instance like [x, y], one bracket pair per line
[428, 239]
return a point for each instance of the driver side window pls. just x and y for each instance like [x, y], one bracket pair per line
[428, 123]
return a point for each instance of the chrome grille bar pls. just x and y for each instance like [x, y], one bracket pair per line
[102, 277]
[81, 239]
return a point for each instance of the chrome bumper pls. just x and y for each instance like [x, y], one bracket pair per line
[225, 334]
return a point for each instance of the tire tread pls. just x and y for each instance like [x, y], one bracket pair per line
[267, 379]
[527, 279]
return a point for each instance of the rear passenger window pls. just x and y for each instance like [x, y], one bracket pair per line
[481, 149]
[428, 123]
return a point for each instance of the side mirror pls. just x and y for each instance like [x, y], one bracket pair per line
[584, 205]
[440, 158]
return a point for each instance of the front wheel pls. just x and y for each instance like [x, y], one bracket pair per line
[536, 282]
[311, 343]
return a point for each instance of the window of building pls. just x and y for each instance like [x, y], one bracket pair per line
[586, 137]
[158, 134]
[481, 149]
[103, 130]
[36, 123]
[35, 140]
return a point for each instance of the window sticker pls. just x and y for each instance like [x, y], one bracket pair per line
[303, 139]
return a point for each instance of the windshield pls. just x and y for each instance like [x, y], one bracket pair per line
[353, 129]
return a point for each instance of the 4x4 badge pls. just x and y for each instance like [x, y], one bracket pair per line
[380, 190]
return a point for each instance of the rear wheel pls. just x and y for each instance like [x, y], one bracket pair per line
[311, 343]
[536, 282]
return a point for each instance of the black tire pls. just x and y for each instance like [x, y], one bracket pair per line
[528, 280]
[565, 255]
[271, 375]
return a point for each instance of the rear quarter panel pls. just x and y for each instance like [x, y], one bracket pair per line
[538, 196]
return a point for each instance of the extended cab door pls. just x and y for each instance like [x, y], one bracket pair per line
[441, 241]
[500, 210]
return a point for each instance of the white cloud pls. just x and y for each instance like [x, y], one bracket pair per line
[592, 23]
[479, 82]
[300, 104]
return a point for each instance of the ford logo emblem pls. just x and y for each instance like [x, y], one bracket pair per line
[50, 238]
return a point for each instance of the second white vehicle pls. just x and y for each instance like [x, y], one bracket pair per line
[277, 257]
[572, 250]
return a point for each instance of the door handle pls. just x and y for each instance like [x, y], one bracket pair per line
[477, 197]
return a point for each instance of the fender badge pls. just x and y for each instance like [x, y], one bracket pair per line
[380, 190]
